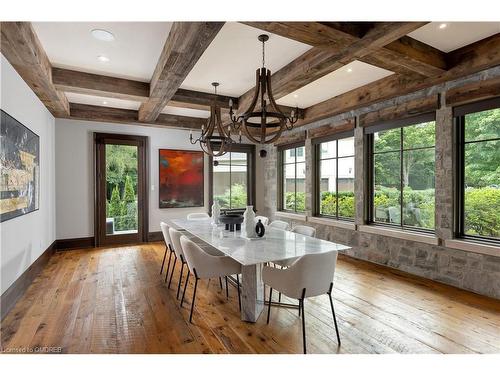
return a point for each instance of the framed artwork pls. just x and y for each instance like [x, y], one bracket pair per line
[19, 169]
[181, 182]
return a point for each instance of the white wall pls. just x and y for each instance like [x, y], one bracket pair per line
[75, 173]
[25, 238]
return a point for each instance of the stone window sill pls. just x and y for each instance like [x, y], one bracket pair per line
[332, 222]
[402, 234]
[474, 247]
[291, 215]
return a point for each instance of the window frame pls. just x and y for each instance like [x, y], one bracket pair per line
[241, 148]
[316, 143]
[281, 150]
[370, 170]
[459, 113]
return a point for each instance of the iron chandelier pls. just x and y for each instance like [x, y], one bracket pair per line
[214, 139]
[264, 124]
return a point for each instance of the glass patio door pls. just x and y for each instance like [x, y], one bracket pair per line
[120, 189]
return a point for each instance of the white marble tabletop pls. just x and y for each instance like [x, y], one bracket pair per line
[275, 245]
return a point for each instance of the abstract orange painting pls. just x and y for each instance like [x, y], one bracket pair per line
[181, 181]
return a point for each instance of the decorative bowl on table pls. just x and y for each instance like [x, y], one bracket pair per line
[232, 221]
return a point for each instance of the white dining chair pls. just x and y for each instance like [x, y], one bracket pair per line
[168, 247]
[198, 216]
[305, 230]
[205, 266]
[175, 237]
[311, 275]
[263, 219]
[279, 224]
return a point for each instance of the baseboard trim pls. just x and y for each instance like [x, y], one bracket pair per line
[155, 236]
[75, 243]
[19, 287]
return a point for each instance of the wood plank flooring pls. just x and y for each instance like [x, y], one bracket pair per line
[113, 300]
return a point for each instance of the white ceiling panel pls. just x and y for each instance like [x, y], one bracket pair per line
[233, 57]
[347, 78]
[133, 54]
[101, 101]
[130, 104]
[186, 112]
[449, 36]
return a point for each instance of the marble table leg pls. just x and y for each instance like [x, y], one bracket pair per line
[252, 293]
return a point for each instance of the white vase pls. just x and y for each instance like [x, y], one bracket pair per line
[249, 223]
[215, 212]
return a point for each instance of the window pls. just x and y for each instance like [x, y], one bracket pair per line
[479, 170]
[292, 170]
[232, 178]
[335, 176]
[402, 173]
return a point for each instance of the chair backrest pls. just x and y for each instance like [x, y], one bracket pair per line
[166, 234]
[305, 230]
[314, 272]
[197, 258]
[263, 219]
[175, 237]
[278, 224]
[198, 216]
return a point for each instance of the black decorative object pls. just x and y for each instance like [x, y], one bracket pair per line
[232, 221]
[260, 229]
[262, 153]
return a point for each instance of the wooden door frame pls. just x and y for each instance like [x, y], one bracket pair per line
[142, 187]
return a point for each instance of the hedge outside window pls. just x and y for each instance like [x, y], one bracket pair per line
[230, 180]
[479, 171]
[335, 177]
[403, 174]
[293, 178]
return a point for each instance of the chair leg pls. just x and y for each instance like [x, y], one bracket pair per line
[168, 265]
[164, 257]
[180, 280]
[303, 320]
[300, 306]
[239, 293]
[171, 272]
[334, 319]
[269, 305]
[227, 289]
[194, 296]
[220, 283]
[279, 297]
[185, 286]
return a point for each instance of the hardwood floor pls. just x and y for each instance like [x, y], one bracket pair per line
[113, 300]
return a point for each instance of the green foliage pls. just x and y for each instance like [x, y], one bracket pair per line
[298, 198]
[482, 207]
[329, 204]
[233, 197]
[128, 194]
[114, 205]
[121, 161]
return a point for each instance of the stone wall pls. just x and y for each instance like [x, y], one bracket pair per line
[464, 269]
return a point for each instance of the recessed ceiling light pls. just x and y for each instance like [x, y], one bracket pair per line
[104, 102]
[103, 35]
[295, 96]
[443, 26]
[102, 58]
[349, 70]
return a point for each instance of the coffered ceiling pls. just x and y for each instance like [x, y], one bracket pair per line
[153, 68]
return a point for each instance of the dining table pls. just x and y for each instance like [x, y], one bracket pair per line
[254, 253]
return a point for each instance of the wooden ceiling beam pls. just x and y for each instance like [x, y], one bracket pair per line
[185, 44]
[112, 87]
[128, 116]
[319, 61]
[468, 60]
[402, 55]
[22, 48]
